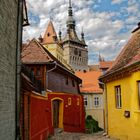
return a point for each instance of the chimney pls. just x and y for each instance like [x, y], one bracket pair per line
[136, 28]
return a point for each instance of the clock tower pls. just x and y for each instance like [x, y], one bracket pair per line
[75, 49]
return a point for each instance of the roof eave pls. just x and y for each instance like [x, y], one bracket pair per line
[118, 71]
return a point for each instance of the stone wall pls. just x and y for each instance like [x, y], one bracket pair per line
[8, 34]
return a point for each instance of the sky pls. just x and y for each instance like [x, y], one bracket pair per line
[107, 24]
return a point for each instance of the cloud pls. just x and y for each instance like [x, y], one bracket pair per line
[117, 1]
[105, 31]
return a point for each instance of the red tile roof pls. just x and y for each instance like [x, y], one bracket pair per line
[130, 53]
[105, 64]
[34, 53]
[90, 81]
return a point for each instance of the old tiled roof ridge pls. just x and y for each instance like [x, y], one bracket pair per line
[89, 81]
[30, 55]
[131, 49]
[105, 64]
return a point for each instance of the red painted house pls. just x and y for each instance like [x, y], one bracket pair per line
[51, 95]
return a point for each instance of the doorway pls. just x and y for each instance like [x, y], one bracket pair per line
[57, 113]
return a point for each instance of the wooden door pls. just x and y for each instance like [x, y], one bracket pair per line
[56, 113]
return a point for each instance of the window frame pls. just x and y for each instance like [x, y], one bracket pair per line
[96, 101]
[118, 97]
[85, 100]
[138, 91]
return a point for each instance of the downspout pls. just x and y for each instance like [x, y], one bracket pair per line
[18, 69]
[47, 75]
[106, 107]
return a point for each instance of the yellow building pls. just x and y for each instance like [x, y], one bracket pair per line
[122, 92]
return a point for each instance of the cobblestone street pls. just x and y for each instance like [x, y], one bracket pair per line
[80, 136]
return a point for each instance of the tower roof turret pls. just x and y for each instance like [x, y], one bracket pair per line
[50, 35]
[70, 20]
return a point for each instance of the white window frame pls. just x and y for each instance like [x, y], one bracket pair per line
[85, 100]
[138, 84]
[96, 101]
[118, 97]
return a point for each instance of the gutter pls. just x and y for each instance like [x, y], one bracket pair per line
[18, 69]
[47, 75]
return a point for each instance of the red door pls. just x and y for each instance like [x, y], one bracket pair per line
[56, 113]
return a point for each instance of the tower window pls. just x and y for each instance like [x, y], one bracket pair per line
[48, 34]
[79, 53]
[75, 51]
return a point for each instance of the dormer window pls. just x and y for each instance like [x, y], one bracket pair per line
[48, 34]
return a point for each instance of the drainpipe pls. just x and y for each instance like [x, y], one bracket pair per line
[47, 75]
[106, 107]
[18, 69]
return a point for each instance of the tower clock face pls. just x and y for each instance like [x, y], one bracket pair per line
[76, 51]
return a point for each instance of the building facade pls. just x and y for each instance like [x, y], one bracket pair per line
[93, 95]
[122, 92]
[10, 40]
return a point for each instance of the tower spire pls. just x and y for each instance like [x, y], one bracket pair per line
[70, 20]
[69, 3]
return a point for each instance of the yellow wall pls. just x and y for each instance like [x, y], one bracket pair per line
[57, 52]
[118, 125]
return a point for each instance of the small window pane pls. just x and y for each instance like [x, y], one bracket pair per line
[118, 97]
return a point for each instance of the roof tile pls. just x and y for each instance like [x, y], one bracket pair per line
[90, 81]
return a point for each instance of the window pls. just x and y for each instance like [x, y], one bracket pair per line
[32, 72]
[48, 34]
[96, 101]
[139, 92]
[118, 96]
[38, 72]
[75, 51]
[69, 101]
[67, 80]
[32, 75]
[73, 83]
[78, 101]
[79, 53]
[85, 101]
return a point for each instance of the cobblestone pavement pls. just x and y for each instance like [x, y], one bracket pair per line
[80, 136]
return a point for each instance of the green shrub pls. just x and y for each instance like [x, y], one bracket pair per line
[92, 125]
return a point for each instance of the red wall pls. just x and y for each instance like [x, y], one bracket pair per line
[40, 119]
[40, 115]
[74, 115]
